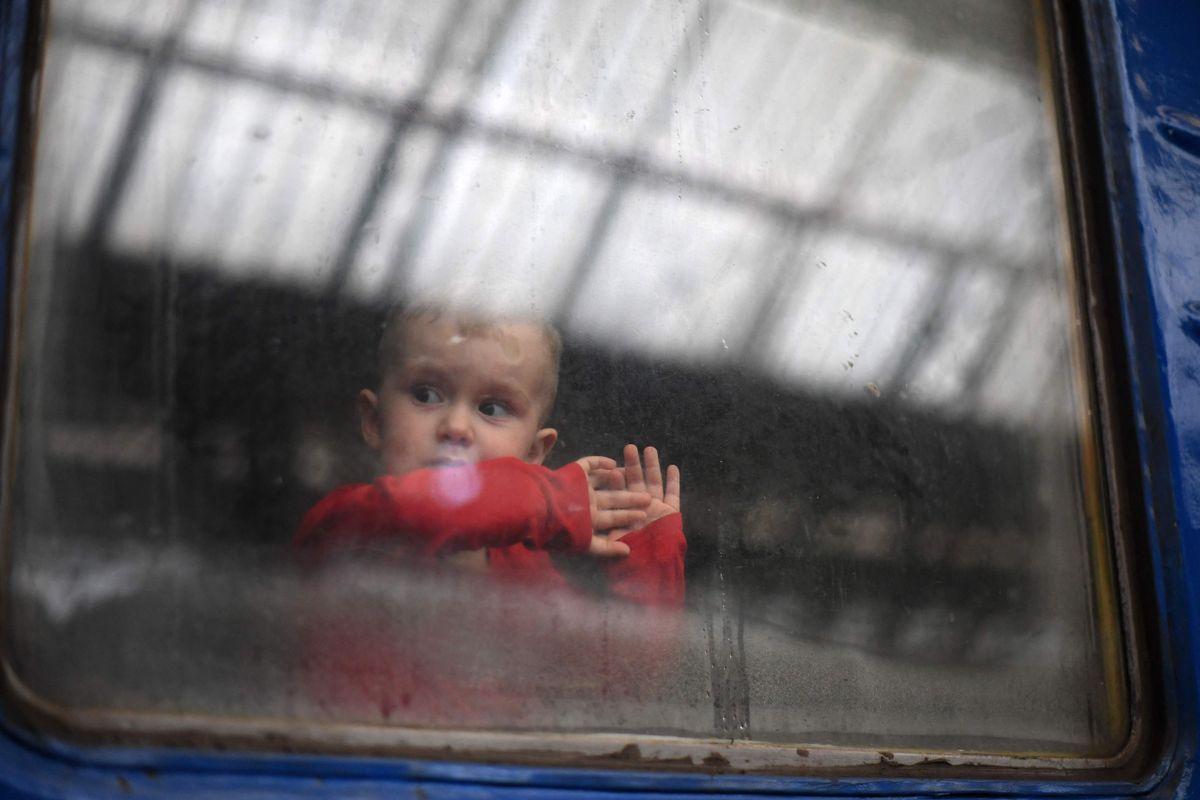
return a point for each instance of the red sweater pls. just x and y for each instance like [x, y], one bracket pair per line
[520, 513]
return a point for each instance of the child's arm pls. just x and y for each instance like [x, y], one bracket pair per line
[652, 574]
[490, 504]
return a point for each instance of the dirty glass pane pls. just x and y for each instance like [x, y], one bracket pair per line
[812, 251]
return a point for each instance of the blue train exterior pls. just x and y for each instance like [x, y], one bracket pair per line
[1142, 63]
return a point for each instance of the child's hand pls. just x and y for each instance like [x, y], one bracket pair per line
[664, 500]
[612, 505]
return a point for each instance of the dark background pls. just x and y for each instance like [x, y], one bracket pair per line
[811, 502]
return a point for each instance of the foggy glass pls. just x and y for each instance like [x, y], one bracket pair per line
[812, 251]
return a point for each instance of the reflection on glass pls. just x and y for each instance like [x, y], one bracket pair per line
[811, 251]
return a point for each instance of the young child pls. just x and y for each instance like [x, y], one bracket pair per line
[459, 423]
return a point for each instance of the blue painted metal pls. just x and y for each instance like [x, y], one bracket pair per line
[1146, 62]
[13, 14]
[1148, 87]
[31, 768]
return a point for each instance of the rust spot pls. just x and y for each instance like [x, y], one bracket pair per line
[887, 758]
[800, 751]
[715, 759]
[630, 752]
[932, 762]
[123, 785]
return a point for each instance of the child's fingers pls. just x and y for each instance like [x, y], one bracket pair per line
[614, 478]
[604, 547]
[621, 498]
[617, 518]
[603, 479]
[654, 480]
[592, 463]
[634, 478]
[673, 482]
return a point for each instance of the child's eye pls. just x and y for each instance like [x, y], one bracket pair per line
[494, 408]
[425, 395]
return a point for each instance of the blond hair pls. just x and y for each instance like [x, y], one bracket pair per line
[471, 322]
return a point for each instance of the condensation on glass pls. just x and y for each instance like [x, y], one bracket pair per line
[813, 251]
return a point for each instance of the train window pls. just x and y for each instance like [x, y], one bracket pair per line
[815, 254]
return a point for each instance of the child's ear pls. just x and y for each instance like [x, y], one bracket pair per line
[543, 443]
[368, 417]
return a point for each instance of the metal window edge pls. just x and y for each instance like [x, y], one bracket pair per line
[118, 770]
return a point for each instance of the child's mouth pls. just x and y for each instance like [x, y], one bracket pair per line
[451, 461]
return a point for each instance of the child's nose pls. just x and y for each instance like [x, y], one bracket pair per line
[456, 425]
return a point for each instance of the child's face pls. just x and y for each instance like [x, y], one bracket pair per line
[460, 395]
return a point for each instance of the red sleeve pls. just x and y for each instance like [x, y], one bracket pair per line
[652, 573]
[494, 503]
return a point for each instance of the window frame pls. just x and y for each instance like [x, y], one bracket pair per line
[1124, 338]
